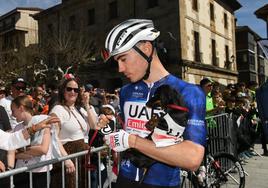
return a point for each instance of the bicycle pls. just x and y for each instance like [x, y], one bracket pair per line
[221, 170]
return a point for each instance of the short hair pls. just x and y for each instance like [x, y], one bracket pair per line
[205, 81]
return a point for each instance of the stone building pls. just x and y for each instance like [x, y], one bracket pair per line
[251, 61]
[18, 28]
[197, 36]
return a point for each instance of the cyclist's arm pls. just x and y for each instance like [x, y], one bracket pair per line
[186, 154]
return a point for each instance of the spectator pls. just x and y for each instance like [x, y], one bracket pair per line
[2, 92]
[5, 126]
[38, 99]
[40, 148]
[207, 85]
[241, 90]
[96, 99]
[218, 103]
[251, 91]
[230, 104]
[18, 87]
[74, 128]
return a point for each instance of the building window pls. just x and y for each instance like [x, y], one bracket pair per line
[227, 53]
[225, 17]
[227, 58]
[212, 18]
[195, 5]
[113, 10]
[253, 77]
[261, 70]
[196, 47]
[251, 61]
[72, 23]
[251, 42]
[215, 60]
[152, 3]
[91, 16]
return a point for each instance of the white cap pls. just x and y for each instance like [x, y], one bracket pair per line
[109, 106]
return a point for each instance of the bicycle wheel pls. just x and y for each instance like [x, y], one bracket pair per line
[188, 180]
[225, 171]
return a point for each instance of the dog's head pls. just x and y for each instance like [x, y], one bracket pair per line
[170, 102]
[163, 96]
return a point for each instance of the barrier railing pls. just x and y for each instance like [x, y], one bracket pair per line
[220, 129]
[75, 156]
[221, 133]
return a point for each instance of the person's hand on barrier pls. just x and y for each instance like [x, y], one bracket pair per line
[2, 167]
[69, 166]
[118, 141]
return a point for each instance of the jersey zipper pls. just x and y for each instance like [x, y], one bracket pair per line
[150, 86]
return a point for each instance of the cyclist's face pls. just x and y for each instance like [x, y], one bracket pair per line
[132, 65]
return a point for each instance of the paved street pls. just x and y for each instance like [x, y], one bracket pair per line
[257, 168]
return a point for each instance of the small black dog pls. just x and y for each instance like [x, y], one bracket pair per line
[173, 112]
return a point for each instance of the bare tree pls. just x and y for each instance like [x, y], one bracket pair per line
[50, 60]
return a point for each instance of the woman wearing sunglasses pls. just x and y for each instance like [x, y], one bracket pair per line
[73, 129]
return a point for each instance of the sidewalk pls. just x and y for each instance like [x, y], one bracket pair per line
[257, 168]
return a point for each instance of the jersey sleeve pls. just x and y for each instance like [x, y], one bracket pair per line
[195, 100]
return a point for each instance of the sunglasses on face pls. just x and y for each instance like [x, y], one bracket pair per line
[19, 88]
[69, 89]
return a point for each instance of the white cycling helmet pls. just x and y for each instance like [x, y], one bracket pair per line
[127, 34]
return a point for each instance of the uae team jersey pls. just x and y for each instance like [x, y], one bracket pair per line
[133, 98]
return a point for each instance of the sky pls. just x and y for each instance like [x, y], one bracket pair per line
[245, 15]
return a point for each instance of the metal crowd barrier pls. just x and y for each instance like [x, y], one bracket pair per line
[75, 156]
[221, 134]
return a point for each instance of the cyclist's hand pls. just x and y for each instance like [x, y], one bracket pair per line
[117, 141]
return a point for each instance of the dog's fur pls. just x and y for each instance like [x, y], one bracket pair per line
[163, 96]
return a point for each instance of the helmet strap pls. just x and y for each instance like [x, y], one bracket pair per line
[147, 58]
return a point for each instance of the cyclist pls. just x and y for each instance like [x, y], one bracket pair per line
[131, 44]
